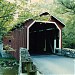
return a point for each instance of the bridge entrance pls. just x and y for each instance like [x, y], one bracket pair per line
[41, 38]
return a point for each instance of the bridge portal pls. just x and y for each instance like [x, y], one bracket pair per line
[41, 38]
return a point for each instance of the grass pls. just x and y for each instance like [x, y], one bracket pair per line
[13, 70]
[8, 71]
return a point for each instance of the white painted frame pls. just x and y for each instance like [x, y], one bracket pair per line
[28, 34]
[44, 22]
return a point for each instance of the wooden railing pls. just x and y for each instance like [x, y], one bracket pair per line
[26, 65]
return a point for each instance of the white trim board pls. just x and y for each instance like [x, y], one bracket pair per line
[28, 34]
[43, 22]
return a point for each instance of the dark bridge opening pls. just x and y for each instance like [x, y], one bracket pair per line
[41, 38]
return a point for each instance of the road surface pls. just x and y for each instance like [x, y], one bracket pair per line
[54, 65]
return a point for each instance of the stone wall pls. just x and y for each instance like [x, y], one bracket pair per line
[26, 66]
[66, 52]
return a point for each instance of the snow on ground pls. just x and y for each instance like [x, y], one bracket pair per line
[54, 65]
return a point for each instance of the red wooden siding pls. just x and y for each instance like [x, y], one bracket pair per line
[19, 39]
[53, 19]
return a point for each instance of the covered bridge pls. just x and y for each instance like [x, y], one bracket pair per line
[39, 37]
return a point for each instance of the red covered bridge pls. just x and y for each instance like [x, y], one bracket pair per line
[39, 37]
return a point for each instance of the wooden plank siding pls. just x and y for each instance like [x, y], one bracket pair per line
[59, 23]
[19, 39]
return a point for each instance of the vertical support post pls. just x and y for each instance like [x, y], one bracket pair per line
[45, 45]
[28, 39]
[54, 45]
[28, 68]
[59, 39]
[28, 34]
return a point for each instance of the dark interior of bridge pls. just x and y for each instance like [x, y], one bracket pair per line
[41, 38]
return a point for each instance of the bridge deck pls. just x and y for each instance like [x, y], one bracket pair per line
[54, 65]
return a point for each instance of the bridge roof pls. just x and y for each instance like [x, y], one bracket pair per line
[29, 21]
